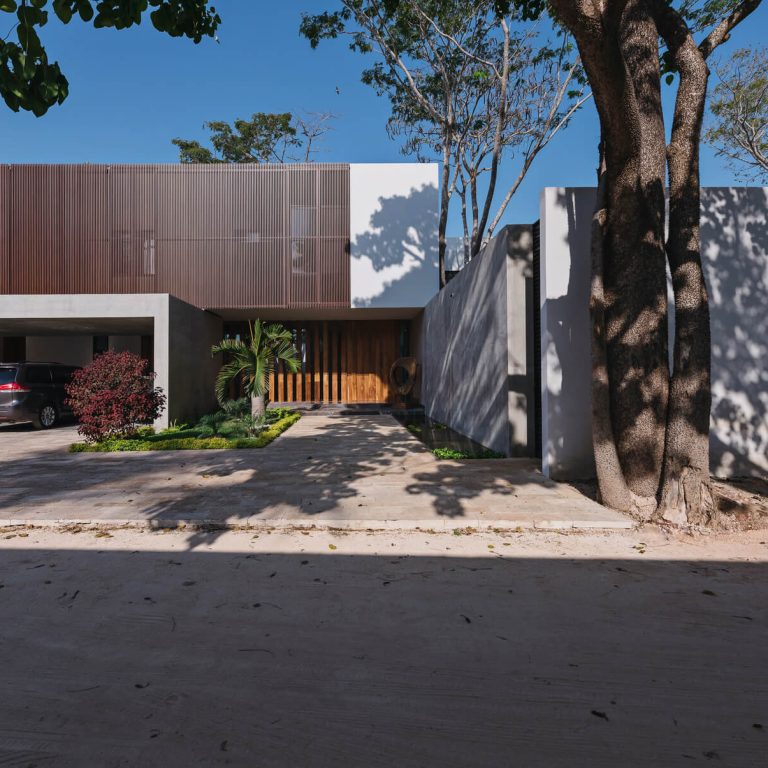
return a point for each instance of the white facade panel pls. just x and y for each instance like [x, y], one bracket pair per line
[393, 236]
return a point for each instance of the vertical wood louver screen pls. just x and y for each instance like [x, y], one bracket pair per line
[222, 236]
[341, 361]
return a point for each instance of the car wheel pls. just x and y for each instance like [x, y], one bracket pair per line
[47, 417]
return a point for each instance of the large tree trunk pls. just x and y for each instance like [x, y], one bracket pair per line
[635, 262]
[610, 478]
[686, 495]
[629, 304]
[258, 406]
[651, 436]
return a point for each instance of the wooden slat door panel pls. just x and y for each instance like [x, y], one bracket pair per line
[369, 349]
[341, 361]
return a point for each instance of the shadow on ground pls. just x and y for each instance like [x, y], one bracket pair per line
[175, 658]
[361, 467]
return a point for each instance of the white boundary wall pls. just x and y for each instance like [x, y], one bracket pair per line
[734, 234]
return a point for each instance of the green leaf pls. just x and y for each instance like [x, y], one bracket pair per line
[29, 81]
[63, 10]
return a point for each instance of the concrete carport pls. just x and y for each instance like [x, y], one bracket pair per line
[61, 328]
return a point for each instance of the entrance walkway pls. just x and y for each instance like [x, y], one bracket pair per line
[328, 469]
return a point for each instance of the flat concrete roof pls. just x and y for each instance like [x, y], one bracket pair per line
[67, 326]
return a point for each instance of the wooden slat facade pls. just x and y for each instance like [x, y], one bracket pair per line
[216, 236]
[342, 361]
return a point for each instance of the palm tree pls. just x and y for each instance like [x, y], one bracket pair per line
[255, 361]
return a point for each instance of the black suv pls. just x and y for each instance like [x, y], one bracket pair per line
[34, 392]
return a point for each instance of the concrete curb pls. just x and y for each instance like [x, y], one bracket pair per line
[446, 525]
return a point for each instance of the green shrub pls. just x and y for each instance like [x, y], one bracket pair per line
[191, 439]
[452, 453]
[234, 420]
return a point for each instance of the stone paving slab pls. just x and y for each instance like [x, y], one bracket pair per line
[328, 470]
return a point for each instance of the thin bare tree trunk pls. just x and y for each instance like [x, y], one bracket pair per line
[445, 198]
[465, 224]
[477, 240]
[475, 212]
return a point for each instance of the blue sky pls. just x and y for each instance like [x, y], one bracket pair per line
[132, 91]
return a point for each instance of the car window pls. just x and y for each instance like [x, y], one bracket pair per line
[38, 374]
[7, 374]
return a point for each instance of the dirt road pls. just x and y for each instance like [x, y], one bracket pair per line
[410, 650]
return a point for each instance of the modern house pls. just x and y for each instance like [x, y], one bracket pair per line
[165, 260]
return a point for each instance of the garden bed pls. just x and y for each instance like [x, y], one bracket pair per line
[444, 442]
[192, 438]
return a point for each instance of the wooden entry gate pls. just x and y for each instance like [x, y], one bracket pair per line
[341, 361]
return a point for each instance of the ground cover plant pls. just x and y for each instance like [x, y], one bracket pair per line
[454, 445]
[231, 427]
[453, 453]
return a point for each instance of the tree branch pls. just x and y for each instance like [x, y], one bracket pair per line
[722, 31]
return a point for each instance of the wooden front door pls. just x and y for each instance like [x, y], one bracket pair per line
[341, 362]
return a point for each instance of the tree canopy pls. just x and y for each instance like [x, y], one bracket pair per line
[30, 81]
[739, 108]
[466, 86]
[265, 138]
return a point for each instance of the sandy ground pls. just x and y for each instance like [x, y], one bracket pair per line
[412, 650]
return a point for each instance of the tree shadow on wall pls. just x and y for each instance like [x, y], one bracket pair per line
[565, 354]
[402, 248]
[734, 237]
[734, 234]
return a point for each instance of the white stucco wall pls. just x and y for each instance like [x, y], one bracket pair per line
[734, 240]
[566, 432]
[393, 236]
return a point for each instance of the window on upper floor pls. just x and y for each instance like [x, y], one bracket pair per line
[248, 236]
[134, 254]
[303, 257]
[303, 219]
[303, 231]
[148, 251]
[122, 256]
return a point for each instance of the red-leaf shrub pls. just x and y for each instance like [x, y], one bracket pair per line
[113, 395]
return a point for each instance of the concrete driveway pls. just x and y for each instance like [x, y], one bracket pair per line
[329, 469]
